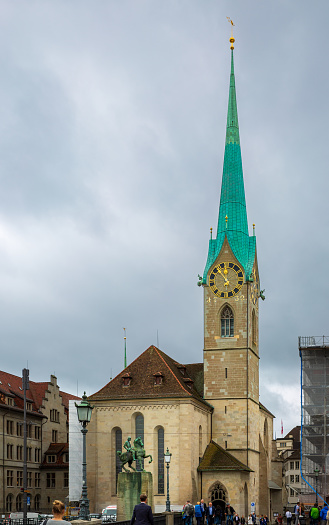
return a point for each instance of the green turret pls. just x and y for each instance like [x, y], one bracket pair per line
[232, 217]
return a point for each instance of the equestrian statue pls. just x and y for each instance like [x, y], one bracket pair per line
[134, 453]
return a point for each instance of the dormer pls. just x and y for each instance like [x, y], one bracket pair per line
[126, 379]
[189, 382]
[182, 369]
[158, 378]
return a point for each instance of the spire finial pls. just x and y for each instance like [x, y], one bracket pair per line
[210, 233]
[226, 219]
[232, 40]
[253, 229]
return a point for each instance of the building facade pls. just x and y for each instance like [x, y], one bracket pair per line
[288, 448]
[208, 413]
[47, 447]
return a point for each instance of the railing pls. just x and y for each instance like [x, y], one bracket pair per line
[314, 340]
[178, 518]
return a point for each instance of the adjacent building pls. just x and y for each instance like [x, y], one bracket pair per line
[207, 413]
[289, 450]
[47, 443]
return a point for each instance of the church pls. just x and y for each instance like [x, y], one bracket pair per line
[208, 413]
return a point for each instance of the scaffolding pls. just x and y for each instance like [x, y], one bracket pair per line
[314, 355]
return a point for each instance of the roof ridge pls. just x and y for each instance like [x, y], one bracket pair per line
[180, 384]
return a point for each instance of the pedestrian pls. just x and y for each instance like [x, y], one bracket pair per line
[218, 515]
[58, 512]
[288, 517]
[297, 512]
[142, 514]
[253, 517]
[210, 513]
[188, 510]
[204, 510]
[198, 513]
[280, 519]
[250, 521]
[243, 521]
[323, 514]
[315, 514]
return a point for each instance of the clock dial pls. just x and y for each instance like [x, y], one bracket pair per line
[226, 279]
[254, 288]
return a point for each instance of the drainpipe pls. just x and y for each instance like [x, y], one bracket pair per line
[3, 462]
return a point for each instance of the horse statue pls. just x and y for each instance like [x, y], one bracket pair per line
[135, 453]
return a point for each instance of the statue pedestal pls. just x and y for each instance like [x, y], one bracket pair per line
[130, 486]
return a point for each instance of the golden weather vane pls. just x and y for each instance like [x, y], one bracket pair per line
[232, 40]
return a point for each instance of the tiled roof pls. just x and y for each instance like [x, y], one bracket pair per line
[294, 455]
[217, 458]
[11, 385]
[178, 380]
[58, 450]
[295, 433]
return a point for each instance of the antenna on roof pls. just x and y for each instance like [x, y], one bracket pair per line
[125, 341]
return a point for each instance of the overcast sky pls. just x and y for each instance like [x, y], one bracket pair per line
[112, 130]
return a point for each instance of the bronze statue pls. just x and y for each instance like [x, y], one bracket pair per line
[134, 453]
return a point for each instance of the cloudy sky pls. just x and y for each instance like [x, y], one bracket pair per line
[112, 129]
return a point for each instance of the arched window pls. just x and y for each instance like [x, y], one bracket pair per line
[253, 327]
[19, 506]
[37, 502]
[9, 503]
[200, 441]
[139, 432]
[118, 446]
[160, 460]
[227, 322]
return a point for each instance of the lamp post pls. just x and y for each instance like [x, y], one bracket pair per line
[84, 411]
[316, 472]
[167, 457]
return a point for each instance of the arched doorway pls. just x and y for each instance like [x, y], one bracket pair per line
[217, 494]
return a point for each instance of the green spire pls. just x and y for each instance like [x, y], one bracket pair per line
[232, 217]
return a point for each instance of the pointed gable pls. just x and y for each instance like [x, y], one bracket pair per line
[217, 458]
[141, 379]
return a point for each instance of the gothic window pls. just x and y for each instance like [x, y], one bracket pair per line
[160, 460]
[227, 322]
[139, 432]
[253, 327]
[200, 441]
[118, 446]
[217, 492]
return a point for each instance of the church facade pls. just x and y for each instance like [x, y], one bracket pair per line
[208, 413]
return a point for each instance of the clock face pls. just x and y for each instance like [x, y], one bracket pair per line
[254, 289]
[226, 279]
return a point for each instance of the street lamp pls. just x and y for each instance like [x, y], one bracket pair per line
[167, 457]
[316, 472]
[84, 411]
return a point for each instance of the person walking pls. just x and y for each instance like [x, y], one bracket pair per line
[218, 515]
[297, 512]
[188, 510]
[142, 514]
[204, 510]
[210, 513]
[315, 514]
[198, 513]
[250, 520]
[323, 514]
[288, 517]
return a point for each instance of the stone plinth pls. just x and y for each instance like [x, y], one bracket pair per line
[130, 486]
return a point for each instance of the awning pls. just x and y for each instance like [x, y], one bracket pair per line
[273, 486]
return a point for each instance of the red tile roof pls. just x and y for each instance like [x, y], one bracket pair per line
[178, 380]
[58, 450]
[11, 385]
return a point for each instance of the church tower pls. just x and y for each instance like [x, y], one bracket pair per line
[231, 294]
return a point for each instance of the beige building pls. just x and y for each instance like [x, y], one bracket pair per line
[208, 413]
[47, 443]
[289, 450]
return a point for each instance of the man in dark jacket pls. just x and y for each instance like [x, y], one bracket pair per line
[142, 514]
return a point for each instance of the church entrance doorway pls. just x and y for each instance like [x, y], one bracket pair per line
[218, 496]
